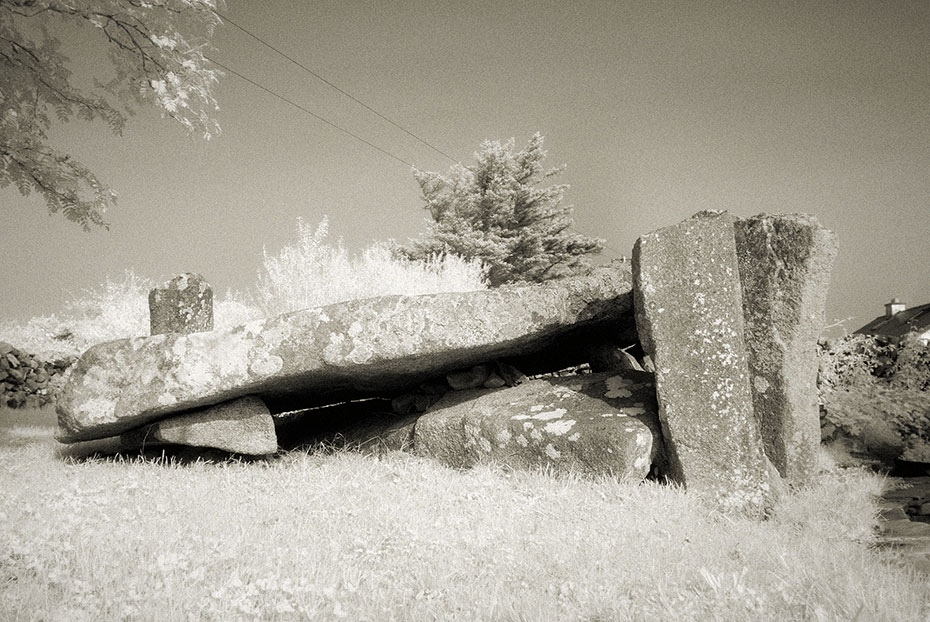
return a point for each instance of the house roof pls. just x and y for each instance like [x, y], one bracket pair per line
[899, 324]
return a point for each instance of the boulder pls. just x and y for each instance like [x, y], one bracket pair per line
[784, 267]
[241, 426]
[591, 423]
[182, 305]
[688, 305]
[379, 347]
[609, 357]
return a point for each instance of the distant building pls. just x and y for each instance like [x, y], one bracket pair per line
[898, 321]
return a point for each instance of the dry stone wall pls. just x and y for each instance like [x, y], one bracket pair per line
[26, 381]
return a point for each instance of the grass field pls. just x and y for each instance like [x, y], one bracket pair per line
[346, 536]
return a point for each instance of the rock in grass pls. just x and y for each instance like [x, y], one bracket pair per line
[379, 347]
[241, 426]
[784, 266]
[690, 319]
[182, 305]
[592, 423]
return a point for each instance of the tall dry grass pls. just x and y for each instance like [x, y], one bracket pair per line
[313, 272]
[343, 536]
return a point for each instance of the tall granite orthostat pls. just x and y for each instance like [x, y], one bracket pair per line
[363, 348]
[182, 305]
[784, 266]
[688, 306]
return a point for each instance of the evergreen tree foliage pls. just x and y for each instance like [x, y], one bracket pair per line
[155, 54]
[494, 211]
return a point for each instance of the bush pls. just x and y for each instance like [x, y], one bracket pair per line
[116, 309]
[313, 272]
[875, 393]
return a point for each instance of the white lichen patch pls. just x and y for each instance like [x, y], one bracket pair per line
[536, 435]
[574, 437]
[484, 444]
[618, 386]
[166, 399]
[361, 353]
[521, 441]
[552, 452]
[542, 416]
[333, 349]
[619, 414]
[558, 428]
[536, 408]
[503, 437]
[760, 383]
[633, 411]
[641, 462]
[96, 409]
[643, 439]
[267, 365]
[527, 425]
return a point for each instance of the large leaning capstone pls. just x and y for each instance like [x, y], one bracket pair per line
[689, 316]
[182, 305]
[784, 265]
[604, 424]
[363, 348]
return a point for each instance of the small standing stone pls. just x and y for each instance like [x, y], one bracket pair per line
[182, 305]
[784, 265]
[686, 293]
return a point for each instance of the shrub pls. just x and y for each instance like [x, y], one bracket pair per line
[876, 392]
[115, 309]
[313, 272]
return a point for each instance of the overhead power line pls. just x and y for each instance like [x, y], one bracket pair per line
[343, 92]
[301, 108]
[339, 127]
[321, 78]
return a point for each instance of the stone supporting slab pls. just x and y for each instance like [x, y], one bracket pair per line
[597, 424]
[241, 426]
[784, 266]
[688, 306]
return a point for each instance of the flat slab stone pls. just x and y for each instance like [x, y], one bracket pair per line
[689, 315]
[784, 266]
[363, 348]
[603, 423]
[241, 426]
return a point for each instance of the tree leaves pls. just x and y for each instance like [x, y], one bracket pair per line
[155, 50]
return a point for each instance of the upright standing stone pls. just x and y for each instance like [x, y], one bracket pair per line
[784, 265]
[182, 305]
[686, 294]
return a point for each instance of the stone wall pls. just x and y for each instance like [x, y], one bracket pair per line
[26, 381]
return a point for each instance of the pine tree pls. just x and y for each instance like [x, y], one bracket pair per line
[493, 210]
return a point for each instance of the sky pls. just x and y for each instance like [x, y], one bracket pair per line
[658, 110]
